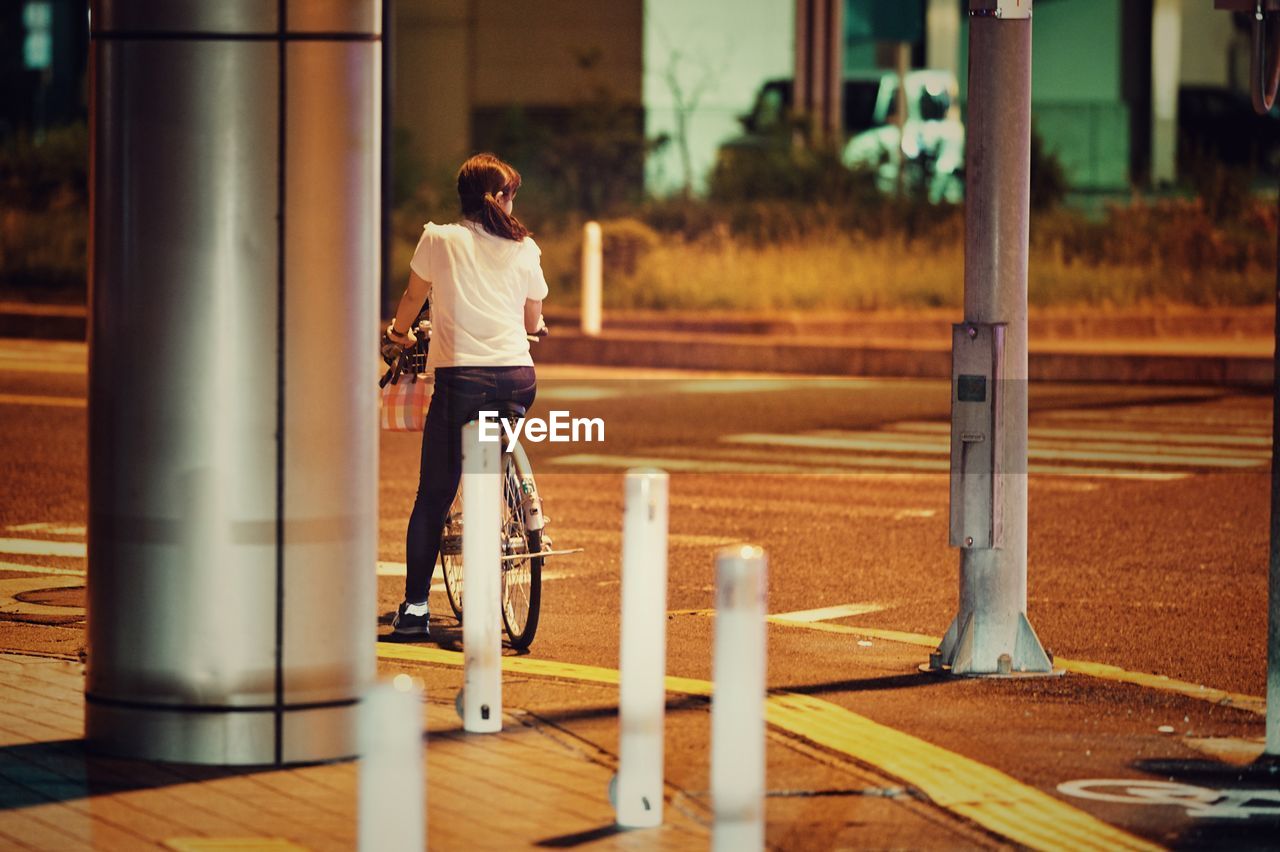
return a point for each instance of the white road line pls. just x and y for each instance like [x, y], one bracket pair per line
[1038, 440]
[398, 569]
[840, 441]
[670, 464]
[1112, 435]
[827, 464]
[51, 529]
[830, 612]
[41, 547]
[1243, 424]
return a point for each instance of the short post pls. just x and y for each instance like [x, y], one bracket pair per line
[737, 705]
[481, 586]
[592, 279]
[392, 787]
[642, 664]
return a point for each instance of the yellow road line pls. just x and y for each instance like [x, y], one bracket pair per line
[55, 401]
[963, 786]
[842, 611]
[1252, 703]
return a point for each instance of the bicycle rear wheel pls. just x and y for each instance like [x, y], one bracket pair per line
[451, 555]
[522, 571]
[521, 567]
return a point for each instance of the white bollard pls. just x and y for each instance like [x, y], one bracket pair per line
[643, 656]
[737, 704]
[592, 279]
[392, 790]
[481, 583]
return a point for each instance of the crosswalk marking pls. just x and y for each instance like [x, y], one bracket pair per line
[1143, 442]
[50, 529]
[826, 464]
[41, 547]
[1112, 435]
[1036, 450]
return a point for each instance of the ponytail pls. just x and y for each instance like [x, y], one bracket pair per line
[480, 180]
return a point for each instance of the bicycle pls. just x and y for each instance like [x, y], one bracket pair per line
[524, 544]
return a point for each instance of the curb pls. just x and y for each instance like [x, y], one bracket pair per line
[773, 355]
[813, 346]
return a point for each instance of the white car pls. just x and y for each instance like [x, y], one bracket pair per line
[930, 145]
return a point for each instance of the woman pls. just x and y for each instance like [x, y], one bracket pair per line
[484, 278]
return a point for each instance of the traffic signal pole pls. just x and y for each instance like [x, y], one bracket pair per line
[991, 634]
[1264, 81]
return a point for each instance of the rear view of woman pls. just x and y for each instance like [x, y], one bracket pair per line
[484, 278]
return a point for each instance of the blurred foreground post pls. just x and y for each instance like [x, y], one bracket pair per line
[991, 633]
[643, 655]
[481, 582]
[232, 467]
[592, 279]
[737, 705]
[392, 805]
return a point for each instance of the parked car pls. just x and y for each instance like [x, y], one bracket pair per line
[1219, 124]
[931, 142]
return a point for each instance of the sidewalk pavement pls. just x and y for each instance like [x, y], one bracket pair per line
[1229, 347]
[520, 788]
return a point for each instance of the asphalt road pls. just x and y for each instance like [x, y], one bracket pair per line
[1148, 513]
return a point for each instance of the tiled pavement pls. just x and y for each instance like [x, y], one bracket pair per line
[524, 787]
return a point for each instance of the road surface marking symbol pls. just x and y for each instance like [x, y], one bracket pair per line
[1110, 435]
[10, 589]
[41, 547]
[860, 441]
[970, 789]
[55, 401]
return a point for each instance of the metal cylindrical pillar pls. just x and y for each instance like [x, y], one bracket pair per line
[232, 423]
[991, 623]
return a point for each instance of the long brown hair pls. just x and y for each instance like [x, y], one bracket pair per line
[480, 180]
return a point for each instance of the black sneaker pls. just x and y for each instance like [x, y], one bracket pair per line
[407, 624]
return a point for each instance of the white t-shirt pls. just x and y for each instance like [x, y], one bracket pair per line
[479, 284]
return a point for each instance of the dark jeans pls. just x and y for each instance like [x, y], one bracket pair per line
[460, 393]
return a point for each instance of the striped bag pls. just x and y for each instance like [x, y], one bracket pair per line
[404, 402]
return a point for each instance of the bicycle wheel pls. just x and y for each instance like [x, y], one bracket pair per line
[451, 555]
[522, 575]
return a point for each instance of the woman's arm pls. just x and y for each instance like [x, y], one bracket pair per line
[415, 293]
[532, 315]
